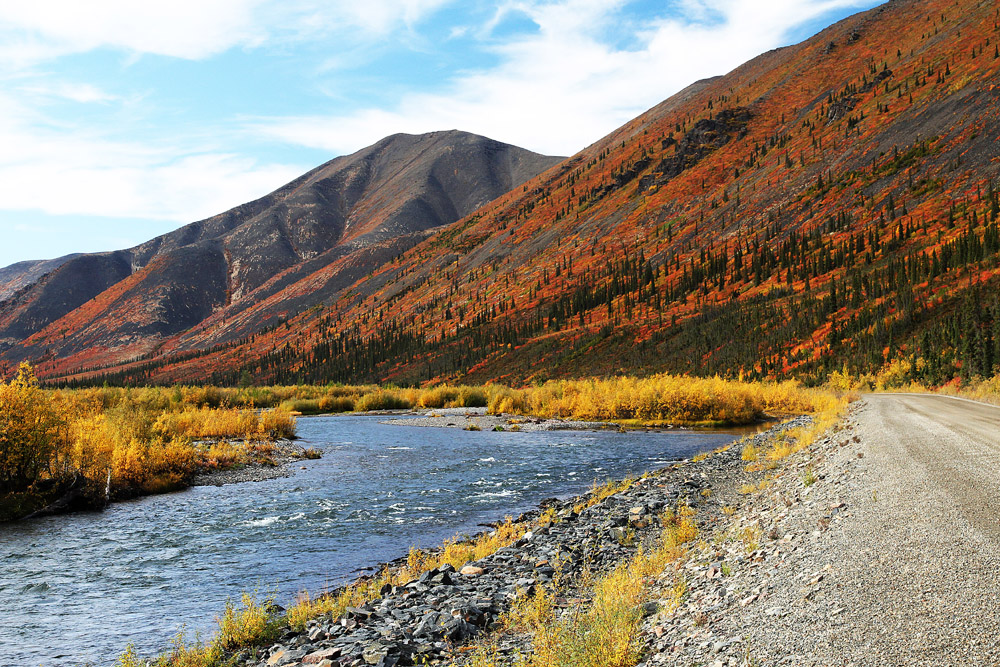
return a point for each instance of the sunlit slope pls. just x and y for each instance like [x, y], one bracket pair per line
[239, 272]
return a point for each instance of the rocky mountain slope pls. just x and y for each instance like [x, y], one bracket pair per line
[825, 206]
[240, 271]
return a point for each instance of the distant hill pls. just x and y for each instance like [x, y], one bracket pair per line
[248, 268]
[830, 205]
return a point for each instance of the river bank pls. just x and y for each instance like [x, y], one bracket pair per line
[247, 462]
[435, 617]
[278, 463]
[173, 560]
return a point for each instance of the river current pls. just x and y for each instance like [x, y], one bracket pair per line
[77, 589]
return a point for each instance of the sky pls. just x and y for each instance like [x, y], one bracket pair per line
[121, 120]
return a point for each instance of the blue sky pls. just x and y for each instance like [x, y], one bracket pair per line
[120, 120]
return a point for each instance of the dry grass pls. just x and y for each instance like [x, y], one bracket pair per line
[249, 623]
[605, 634]
[455, 552]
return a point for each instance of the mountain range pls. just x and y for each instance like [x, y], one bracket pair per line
[233, 274]
[827, 206]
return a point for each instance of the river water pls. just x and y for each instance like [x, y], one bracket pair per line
[76, 589]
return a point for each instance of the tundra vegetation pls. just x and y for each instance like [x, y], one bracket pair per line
[92, 446]
[107, 443]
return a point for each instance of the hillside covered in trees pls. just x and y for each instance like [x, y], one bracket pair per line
[831, 205]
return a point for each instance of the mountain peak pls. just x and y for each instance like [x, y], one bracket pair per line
[387, 196]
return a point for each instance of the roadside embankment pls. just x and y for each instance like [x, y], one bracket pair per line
[877, 546]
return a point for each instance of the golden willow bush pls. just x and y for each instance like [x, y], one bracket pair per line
[32, 432]
[122, 442]
[662, 399]
[363, 398]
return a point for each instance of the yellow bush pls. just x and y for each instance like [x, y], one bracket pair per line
[381, 400]
[660, 399]
[32, 432]
[206, 423]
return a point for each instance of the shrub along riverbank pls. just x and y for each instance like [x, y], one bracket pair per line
[83, 448]
[651, 401]
[599, 553]
[68, 450]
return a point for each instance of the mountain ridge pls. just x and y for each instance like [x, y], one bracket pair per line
[826, 206]
[386, 195]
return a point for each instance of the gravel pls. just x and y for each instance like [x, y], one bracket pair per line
[467, 418]
[886, 559]
[285, 456]
[429, 620]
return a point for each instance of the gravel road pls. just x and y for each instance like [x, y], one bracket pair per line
[907, 573]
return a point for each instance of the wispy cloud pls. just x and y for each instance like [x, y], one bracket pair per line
[567, 84]
[82, 93]
[550, 75]
[60, 169]
[192, 29]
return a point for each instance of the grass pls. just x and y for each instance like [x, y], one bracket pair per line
[249, 623]
[308, 399]
[606, 633]
[150, 440]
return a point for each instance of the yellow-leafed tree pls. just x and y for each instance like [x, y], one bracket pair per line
[31, 432]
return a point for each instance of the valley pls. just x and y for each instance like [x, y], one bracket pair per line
[718, 389]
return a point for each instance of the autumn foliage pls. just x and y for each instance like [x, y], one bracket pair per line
[821, 206]
[116, 442]
[661, 399]
[32, 432]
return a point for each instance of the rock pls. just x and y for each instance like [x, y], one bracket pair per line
[285, 656]
[374, 653]
[427, 620]
[318, 657]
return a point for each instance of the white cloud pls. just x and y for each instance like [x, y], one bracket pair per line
[178, 28]
[553, 90]
[62, 171]
[561, 88]
[40, 30]
[82, 93]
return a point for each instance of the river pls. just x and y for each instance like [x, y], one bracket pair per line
[76, 589]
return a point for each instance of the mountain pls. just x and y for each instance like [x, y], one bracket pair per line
[245, 269]
[827, 206]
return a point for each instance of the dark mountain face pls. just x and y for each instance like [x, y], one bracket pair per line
[17, 276]
[389, 194]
